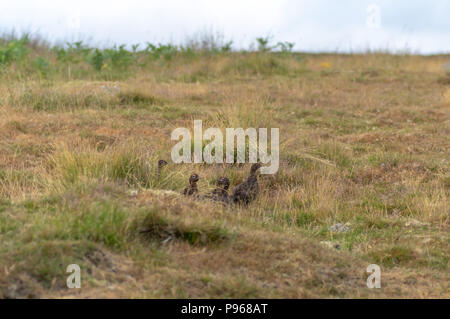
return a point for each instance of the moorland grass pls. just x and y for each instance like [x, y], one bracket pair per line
[363, 141]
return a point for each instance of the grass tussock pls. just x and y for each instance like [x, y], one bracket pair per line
[157, 227]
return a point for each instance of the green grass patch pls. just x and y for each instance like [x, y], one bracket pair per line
[393, 256]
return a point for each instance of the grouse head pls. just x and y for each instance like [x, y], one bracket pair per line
[255, 168]
[193, 178]
[162, 163]
[223, 183]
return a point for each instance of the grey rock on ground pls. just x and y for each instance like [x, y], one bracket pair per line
[339, 228]
[415, 223]
[111, 89]
[133, 192]
[330, 244]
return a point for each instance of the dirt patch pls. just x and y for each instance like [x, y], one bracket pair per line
[101, 259]
[388, 173]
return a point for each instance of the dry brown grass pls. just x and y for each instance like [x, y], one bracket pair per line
[364, 140]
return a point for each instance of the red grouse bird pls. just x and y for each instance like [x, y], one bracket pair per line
[161, 164]
[247, 191]
[220, 193]
[192, 188]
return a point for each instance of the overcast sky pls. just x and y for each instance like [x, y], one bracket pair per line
[419, 26]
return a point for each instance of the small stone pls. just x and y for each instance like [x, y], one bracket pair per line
[339, 228]
[111, 89]
[133, 192]
[162, 192]
[330, 244]
[415, 223]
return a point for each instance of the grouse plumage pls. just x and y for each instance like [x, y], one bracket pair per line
[220, 193]
[192, 189]
[247, 191]
[161, 164]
